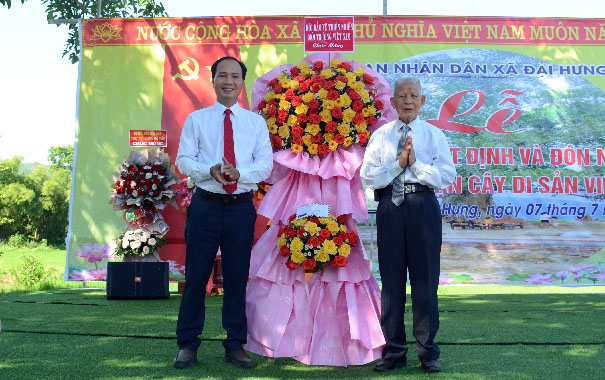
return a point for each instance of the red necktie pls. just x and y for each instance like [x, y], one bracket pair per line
[229, 150]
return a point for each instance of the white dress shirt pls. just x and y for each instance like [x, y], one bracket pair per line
[433, 167]
[201, 147]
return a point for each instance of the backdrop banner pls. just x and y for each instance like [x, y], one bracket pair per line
[521, 101]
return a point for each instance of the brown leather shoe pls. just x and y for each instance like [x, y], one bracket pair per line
[389, 364]
[185, 359]
[240, 359]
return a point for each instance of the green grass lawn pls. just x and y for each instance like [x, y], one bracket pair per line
[79, 334]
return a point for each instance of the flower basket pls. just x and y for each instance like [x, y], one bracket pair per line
[139, 245]
[312, 243]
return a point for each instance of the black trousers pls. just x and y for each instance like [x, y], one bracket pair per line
[211, 225]
[409, 238]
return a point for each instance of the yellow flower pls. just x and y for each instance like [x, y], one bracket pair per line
[344, 250]
[294, 84]
[324, 221]
[333, 145]
[335, 63]
[312, 129]
[284, 104]
[322, 256]
[329, 247]
[347, 100]
[326, 116]
[301, 109]
[348, 141]
[327, 73]
[361, 127]
[311, 228]
[299, 222]
[328, 136]
[372, 110]
[349, 75]
[365, 96]
[351, 82]
[359, 71]
[329, 104]
[281, 240]
[332, 226]
[323, 93]
[307, 72]
[343, 228]
[271, 121]
[348, 115]
[307, 97]
[340, 85]
[312, 149]
[302, 65]
[273, 129]
[292, 120]
[340, 102]
[297, 257]
[344, 129]
[297, 148]
[340, 70]
[284, 131]
[307, 139]
[365, 112]
[358, 86]
[282, 77]
[285, 83]
[296, 245]
[269, 96]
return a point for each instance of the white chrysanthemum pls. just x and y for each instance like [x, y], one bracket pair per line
[135, 244]
[148, 175]
[146, 250]
[151, 241]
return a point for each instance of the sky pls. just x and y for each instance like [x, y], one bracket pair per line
[38, 88]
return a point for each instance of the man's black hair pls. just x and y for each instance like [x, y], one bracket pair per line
[215, 65]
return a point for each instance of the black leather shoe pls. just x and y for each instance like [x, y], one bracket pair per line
[389, 364]
[185, 359]
[240, 359]
[428, 365]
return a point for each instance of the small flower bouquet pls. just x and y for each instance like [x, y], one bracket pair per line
[314, 242]
[320, 107]
[138, 242]
[144, 178]
[185, 191]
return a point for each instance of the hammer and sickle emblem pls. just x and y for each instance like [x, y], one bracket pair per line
[191, 73]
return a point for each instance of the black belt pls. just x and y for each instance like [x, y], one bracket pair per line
[224, 198]
[408, 188]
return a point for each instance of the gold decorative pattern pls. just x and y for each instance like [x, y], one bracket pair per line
[106, 32]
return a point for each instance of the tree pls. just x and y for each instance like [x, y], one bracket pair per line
[76, 9]
[61, 157]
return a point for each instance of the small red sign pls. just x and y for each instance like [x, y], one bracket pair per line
[137, 279]
[140, 138]
[330, 34]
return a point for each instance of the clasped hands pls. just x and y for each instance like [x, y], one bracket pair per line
[407, 156]
[225, 173]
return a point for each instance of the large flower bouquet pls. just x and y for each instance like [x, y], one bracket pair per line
[314, 242]
[144, 179]
[320, 107]
[139, 242]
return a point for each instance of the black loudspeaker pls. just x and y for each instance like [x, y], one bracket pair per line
[137, 280]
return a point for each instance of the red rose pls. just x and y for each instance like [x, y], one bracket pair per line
[341, 78]
[337, 112]
[357, 106]
[291, 265]
[290, 232]
[358, 118]
[333, 94]
[314, 119]
[339, 138]
[271, 111]
[368, 79]
[341, 219]
[282, 113]
[273, 103]
[314, 241]
[315, 87]
[292, 217]
[318, 65]
[300, 78]
[340, 261]
[323, 149]
[273, 82]
[297, 100]
[314, 220]
[313, 103]
[313, 111]
[317, 138]
[278, 88]
[294, 71]
[276, 141]
[328, 85]
[353, 238]
[317, 78]
[379, 104]
[363, 138]
[345, 65]
[284, 251]
[331, 127]
[261, 106]
[301, 233]
[353, 94]
[371, 120]
[308, 264]
[304, 86]
[297, 131]
[297, 140]
[156, 193]
[324, 234]
[302, 118]
[280, 120]
[289, 94]
[338, 240]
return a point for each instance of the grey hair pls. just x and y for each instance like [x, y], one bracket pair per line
[408, 80]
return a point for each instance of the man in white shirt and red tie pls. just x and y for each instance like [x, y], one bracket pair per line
[225, 150]
[405, 162]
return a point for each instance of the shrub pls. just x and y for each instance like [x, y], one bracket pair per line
[17, 241]
[30, 272]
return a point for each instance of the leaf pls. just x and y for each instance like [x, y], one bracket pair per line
[517, 277]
